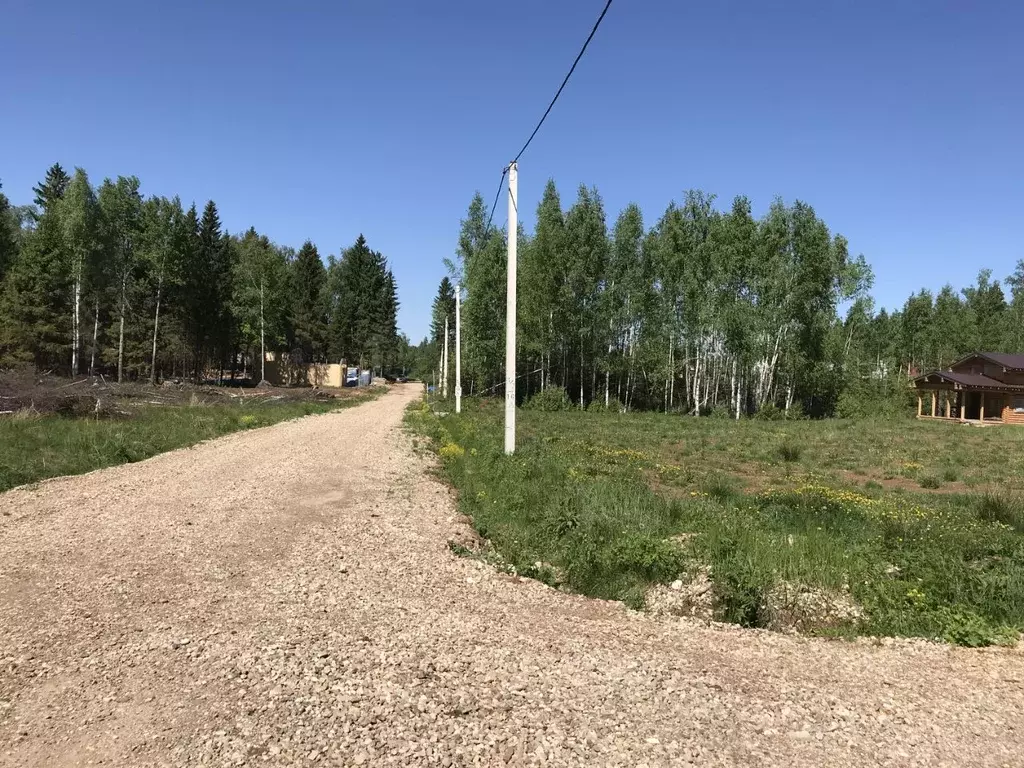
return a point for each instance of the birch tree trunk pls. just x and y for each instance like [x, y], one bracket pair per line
[156, 327]
[120, 332]
[263, 343]
[95, 337]
[75, 333]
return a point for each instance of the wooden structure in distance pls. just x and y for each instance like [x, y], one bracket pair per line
[983, 388]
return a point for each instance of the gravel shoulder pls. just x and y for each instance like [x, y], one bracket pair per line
[286, 596]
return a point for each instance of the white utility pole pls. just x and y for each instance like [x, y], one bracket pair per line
[510, 310]
[444, 363]
[458, 349]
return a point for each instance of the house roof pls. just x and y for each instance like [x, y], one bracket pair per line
[970, 380]
[1002, 359]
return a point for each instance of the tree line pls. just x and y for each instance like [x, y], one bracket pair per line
[705, 311]
[139, 288]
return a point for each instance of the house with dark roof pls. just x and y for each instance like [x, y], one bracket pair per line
[985, 388]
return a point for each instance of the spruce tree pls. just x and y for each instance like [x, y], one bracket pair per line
[52, 188]
[35, 305]
[309, 311]
[8, 236]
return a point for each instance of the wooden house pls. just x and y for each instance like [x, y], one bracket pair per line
[985, 388]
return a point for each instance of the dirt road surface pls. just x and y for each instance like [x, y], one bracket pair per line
[285, 596]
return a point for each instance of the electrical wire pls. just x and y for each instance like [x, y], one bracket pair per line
[566, 80]
[497, 197]
[547, 111]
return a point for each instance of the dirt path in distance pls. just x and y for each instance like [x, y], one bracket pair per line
[285, 596]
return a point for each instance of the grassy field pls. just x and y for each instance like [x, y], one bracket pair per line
[919, 525]
[34, 447]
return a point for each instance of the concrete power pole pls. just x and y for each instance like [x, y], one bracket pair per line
[458, 349]
[444, 363]
[510, 310]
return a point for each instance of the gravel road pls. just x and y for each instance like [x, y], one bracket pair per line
[285, 596]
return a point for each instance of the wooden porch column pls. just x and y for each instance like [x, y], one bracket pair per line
[920, 403]
[949, 405]
[963, 405]
[935, 402]
[981, 413]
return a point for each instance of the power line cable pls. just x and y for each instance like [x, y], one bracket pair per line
[547, 111]
[566, 80]
[497, 197]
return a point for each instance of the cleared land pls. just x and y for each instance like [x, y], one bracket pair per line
[903, 528]
[287, 596]
[51, 427]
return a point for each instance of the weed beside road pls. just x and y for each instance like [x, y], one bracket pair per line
[36, 446]
[609, 505]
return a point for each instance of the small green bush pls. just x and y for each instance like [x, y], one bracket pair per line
[993, 508]
[929, 481]
[550, 400]
[790, 451]
[770, 412]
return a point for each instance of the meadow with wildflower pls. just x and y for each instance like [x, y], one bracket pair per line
[618, 502]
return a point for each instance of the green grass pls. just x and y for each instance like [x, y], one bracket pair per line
[36, 448]
[850, 506]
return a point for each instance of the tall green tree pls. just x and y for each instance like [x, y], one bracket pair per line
[120, 205]
[585, 254]
[80, 219]
[52, 188]
[35, 304]
[541, 275]
[260, 293]
[9, 240]
[482, 257]
[163, 243]
[309, 309]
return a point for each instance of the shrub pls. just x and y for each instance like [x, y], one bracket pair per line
[597, 406]
[790, 451]
[770, 412]
[720, 488]
[993, 508]
[929, 481]
[550, 399]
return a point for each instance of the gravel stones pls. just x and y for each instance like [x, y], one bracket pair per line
[402, 660]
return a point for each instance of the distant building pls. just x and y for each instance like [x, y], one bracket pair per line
[986, 387]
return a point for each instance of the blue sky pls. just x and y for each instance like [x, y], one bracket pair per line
[900, 122]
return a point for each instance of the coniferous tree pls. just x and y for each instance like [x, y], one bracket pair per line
[309, 311]
[8, 236]
[35, 305]
[52, 188]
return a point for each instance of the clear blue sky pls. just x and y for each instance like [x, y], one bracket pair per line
[900, 122]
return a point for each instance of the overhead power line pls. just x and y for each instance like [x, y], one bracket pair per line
[497, 197]
[547, 111]
[566, 80]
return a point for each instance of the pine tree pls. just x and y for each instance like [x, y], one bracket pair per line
[361, 306]
[35, 304]
[52, 188]
[8, 236]
[309, 311]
